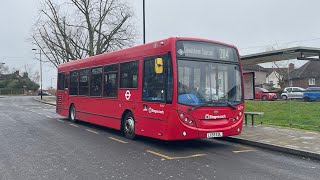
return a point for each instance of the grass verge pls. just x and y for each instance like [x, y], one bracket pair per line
[296, 114]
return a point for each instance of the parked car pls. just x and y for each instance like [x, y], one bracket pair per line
[44, 93]
[265, 95]
[292, 93]
[312, 94]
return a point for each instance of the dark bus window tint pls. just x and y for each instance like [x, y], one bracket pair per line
[60, 81]
[74, 80]
[153, 83]
[66, 82]
[84, 82]
[96, 81]
[111, 81]
[129, 75]
[169, 81]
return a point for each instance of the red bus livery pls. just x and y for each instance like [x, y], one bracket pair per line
[173, 89]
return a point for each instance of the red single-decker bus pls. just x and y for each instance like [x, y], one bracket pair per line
[173, 89]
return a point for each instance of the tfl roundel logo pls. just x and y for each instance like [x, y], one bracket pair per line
[127, 95]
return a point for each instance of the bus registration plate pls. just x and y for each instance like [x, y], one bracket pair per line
[214, 134]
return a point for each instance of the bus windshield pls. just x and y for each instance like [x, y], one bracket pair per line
[208, 83]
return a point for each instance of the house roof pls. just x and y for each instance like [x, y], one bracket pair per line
[9, 76]
[278, 70]
[308, 70]
[253, 67]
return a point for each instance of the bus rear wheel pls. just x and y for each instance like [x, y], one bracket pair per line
[72, 114]
[129, 126]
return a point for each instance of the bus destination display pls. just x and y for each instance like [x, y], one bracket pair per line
[205, 50]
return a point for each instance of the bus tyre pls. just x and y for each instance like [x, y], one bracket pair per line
[129, 126]
[72, 114]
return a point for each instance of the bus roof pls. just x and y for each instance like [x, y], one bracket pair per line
[150, 48]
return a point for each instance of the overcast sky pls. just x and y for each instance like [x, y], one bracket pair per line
[251, 25]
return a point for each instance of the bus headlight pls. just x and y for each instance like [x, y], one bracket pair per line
[187, 119]
[181, 115]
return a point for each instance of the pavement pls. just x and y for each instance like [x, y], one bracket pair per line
[293, 141]
[51, 100]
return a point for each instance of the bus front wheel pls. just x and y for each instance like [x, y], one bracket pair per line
[129, 126]
[72, 114]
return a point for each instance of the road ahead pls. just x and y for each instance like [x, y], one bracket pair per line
[36, 143]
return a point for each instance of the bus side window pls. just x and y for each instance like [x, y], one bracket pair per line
[153, 82]
[96, 81]
[60, 81]
[74, 82]
[84, 82]
[66, 82]
[129, 74]
[111, 81]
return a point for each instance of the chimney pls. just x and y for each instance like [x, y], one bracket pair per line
[291, 66]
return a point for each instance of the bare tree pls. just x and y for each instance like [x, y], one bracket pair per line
[280, 68]
[281, 71]
[75, 29]
[3, 69]
[33, 75]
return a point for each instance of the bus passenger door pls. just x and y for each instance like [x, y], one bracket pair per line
[156, 94]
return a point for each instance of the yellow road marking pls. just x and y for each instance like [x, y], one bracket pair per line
[73, 125]
[124, 142]
[172, 158]
[92, 131]
[248, 150]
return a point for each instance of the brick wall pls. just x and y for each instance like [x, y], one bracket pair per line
[304, 83]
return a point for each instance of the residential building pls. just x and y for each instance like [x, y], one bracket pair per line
[259, 71]
[307, 75]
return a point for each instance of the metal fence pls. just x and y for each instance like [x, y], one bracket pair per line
[6, 91]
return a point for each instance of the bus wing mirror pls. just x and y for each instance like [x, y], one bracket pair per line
[158, 65]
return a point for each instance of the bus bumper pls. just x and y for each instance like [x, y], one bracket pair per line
[184, 132]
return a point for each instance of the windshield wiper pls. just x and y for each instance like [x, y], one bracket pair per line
[230, 105]
[198, 106]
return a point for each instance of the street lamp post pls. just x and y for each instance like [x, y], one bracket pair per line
[51, 81]
[40, 72]
[144, 23]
